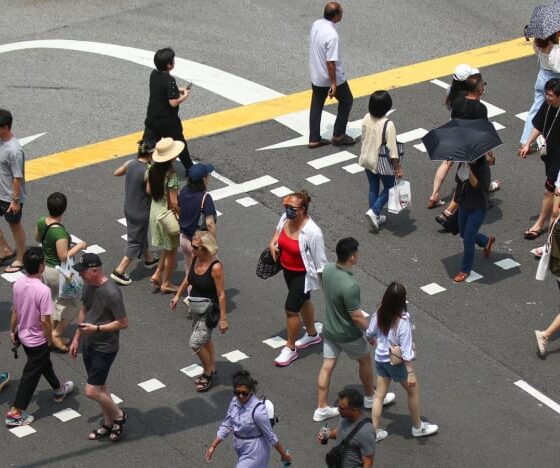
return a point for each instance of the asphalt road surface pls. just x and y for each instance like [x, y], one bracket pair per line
[474, 341]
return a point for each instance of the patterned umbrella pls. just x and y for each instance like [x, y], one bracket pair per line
[544, 21]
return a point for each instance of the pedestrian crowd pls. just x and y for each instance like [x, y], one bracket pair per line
[57, 290]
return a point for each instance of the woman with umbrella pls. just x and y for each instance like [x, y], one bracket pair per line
[545, 28]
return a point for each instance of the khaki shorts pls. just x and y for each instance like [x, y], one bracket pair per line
[63, 309]
[353, 349]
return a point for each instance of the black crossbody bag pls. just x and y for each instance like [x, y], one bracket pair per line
[335, 456]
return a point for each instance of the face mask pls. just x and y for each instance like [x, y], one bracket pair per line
[291, 213]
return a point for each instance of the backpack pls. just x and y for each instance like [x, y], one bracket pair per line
[269, 409]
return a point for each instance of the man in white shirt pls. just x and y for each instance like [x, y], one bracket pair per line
[328, 78]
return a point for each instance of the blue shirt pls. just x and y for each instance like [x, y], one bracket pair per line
[190, 210]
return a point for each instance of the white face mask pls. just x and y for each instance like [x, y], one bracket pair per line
[463, 172]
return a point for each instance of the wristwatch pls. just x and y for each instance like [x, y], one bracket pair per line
[16, 199]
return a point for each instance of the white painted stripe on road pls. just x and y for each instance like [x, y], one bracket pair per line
[75, 239]
[353, 168]
[493, 110]
[26, 140]
[194, 370]
[473, 276]
[66, 415]
[420, 147]
[522, 116]
[122, 221]
[281, 191]
[116, 399]
[411, 135]
[247, 202]
[498, 126]
[275, 342]
[244, 187]
[432, 288]
[95, 249]
[124, 237]
[22, 431]
[12, 277]
[318, 179]
[538, 395]
[235, 356]
[151, 385]
[507, 264]
[331, 159]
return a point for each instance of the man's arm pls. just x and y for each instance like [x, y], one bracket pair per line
[367, 461]
[359, 320]
[331, 70]
[182, 98]
[15, 204]
[47, 328]
[13, 326]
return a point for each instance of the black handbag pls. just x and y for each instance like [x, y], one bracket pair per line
[266, 266]
[335, 456]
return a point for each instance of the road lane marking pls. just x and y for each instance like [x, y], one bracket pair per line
[247, 202]
[151, 385]
[277, 107]
[235, 356]
[538, 395]
[432, 288]
[281, 191]
[411, 135]
[331, 159]
[318, 179]
[507, 264]
[353, 168]
[243, 187]
[22, 431]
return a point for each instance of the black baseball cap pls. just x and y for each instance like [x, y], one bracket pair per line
[88, 260]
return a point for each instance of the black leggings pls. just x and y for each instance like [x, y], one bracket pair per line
[295, 280]
[38, 364]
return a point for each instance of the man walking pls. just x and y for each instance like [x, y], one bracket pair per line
[12, 192]
[344, 327]
[101, 317]
[547, 124]
[162, 119]
[355, 429]
[30, 325]
[328, 78]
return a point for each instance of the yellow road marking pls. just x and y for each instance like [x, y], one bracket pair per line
[266, 110]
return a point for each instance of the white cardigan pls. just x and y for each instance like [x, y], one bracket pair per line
[372, 137]
[312, 249]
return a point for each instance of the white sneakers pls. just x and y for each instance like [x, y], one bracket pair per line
[389, 398]
[381, 434]
[306, 341]
[286, 357]
[374, 220]
[425, 429]
[541, 343]
[322, 414]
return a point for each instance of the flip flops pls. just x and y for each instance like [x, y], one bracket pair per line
[13, 268]
[6, 258]
[435, 204]
[531, 234]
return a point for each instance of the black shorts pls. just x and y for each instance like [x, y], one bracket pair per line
[10, 217]
[551, 170]
[98, 365]
[295, 280]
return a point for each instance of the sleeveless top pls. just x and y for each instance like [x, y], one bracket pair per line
[290, 256]
[203, 285]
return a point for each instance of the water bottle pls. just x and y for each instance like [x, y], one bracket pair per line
[325, 432]
[286, 463]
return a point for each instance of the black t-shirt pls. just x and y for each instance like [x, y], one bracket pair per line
[163, 87]
[472, 198]
[545, 122]
[470, 109]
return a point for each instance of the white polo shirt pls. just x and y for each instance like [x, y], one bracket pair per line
[324, 46]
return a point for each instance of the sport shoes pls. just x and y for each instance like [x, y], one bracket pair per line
[321, 414]
[151, 264]
[286, 357]
[381, 219]
[368, 401]
[307, 340]
[121, 278]
[67, 388]
[4, 379]
[381, 434]
[371, 218]
[425, 429]
[541, 343]
[22, 419]
[389, 398]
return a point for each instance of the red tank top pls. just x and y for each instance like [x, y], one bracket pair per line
[290, 256]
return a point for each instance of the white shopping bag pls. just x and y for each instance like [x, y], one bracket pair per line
[544, 261]
[400, 197]
[70, 284]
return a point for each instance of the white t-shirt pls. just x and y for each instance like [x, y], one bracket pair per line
[324, 46]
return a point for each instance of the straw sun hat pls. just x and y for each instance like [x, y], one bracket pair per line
[167, 149]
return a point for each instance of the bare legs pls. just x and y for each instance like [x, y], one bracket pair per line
[293, 323]
[100, 394]
[544, 215]
[207, 358]
[413, 394]
[440, 176]
[164, 270]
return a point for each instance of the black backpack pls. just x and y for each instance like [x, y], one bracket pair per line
[335, 456]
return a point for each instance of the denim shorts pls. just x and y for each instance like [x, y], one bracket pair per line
[395, 373]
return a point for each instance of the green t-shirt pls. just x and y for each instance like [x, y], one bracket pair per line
[54, 234]
[342, 296]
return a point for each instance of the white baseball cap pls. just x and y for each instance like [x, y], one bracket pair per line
[463, 71]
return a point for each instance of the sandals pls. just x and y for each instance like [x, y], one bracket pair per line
[13, 268]
[531, 234]
[116, 432]
[204, 382]
[435, 203]
[460, 277]
[100, 433]
[7, 257]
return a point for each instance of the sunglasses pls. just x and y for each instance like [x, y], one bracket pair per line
[241, 393]
[292, 207]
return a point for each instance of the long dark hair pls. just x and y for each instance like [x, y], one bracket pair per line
[392, 307]
[156, 178]
[456, 89]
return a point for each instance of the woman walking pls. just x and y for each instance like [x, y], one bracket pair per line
[163, 185]
[196, 209]
[377, 129]
[390, 331]
[298, 244]
[248, 419]
[548, 54]
[56, 243]
[136, 212]
[206, 279]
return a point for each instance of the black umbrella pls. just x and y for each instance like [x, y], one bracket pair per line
[461, 140]
[545, 20]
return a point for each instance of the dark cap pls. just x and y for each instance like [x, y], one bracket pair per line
[199, 171]
[88, 260]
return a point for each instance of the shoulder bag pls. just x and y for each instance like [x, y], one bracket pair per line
[335, 456]
[384, 166]
[48, 226]
[168, 220]
[201, 225]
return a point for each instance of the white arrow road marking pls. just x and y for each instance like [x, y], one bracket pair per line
[26, 140]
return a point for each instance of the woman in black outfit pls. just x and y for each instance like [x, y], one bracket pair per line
[206, 278]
